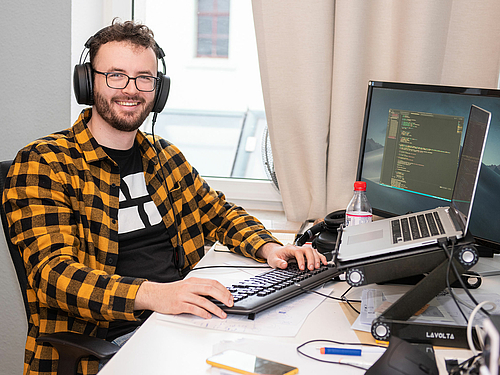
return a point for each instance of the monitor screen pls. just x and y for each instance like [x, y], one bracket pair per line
[410, 146]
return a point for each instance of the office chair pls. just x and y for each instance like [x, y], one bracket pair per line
[71, 347]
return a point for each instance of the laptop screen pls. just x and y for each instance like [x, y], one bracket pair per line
[470, 162]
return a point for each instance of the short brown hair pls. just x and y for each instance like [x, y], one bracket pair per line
[135, 33]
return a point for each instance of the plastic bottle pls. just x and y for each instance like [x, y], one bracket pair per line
[359, 210]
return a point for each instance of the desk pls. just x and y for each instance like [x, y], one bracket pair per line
[171, 348]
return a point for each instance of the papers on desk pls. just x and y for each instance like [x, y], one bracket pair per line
[284, 319]
[440, 310]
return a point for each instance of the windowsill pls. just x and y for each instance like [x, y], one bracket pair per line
[250, 194]
[259, 198]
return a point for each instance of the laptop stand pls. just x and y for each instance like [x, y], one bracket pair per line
[431, 263]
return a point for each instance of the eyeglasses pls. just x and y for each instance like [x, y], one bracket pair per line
[119, 81]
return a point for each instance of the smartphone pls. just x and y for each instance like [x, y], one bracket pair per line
[244, 363]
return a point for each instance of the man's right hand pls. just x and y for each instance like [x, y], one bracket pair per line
[185, 296]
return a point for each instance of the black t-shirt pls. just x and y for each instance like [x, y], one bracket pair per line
[145, 249]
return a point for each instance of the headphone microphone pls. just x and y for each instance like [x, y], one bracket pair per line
[83, 79]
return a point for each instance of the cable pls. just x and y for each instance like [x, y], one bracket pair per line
[229, 266]
[178, 251]
[342, 298]
[347, 301]
[478, 307]
[448, 268]
[469, 326]
[469, 366]
[458, 276]
[469, 306]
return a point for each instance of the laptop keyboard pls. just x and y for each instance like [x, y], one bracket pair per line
[416, 227]
[272, 287]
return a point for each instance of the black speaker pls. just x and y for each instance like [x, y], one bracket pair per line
[83, 81]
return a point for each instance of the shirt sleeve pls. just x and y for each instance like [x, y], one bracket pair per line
[221, 220]
[40, 209]
[231, 225]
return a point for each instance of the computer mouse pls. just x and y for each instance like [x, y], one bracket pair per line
[403, 358]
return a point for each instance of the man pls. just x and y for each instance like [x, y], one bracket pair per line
[108, 226]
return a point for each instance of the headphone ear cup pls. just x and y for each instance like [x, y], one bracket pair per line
[334, 219]
[83, 84]
[162, 92]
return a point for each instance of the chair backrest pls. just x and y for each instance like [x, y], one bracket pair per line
[14, 251]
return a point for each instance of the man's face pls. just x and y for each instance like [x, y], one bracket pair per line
[123, 109]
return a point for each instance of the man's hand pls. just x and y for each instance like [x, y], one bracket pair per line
[277, 256]
[185, 296]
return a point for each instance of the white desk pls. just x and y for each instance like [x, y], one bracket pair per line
[171, 348]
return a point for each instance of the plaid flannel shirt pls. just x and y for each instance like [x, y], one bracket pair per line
[61, 201]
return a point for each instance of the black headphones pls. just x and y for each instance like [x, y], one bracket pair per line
[324, 234]
[83, 80]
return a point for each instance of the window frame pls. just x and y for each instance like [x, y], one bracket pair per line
[250, 194]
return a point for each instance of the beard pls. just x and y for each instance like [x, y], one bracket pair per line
[126, 122]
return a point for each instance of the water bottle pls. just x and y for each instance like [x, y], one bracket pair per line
[359, 210]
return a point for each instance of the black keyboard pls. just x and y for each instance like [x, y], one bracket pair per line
[274, 286]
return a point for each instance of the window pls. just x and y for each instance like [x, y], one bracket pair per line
[215, 111]
[213, 28]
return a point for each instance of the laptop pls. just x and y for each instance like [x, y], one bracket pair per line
[425, 228]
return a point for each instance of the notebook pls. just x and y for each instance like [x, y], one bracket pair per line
[427, 227]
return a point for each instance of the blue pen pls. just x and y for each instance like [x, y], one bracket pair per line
[341, 351]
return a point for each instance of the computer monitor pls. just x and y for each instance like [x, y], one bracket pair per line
[411, 141]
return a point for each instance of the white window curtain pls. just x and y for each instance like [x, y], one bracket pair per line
[316, 60]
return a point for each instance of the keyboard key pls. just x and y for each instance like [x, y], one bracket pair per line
[423, 226]
[438, 222]
[406, 229]
[415, 233]
[396, 231]
[432, 224]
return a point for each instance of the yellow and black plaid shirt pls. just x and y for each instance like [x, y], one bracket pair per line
[61, 199]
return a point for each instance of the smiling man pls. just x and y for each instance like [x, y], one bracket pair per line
[109, 224]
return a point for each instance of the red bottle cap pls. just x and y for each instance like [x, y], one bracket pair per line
[360, 186]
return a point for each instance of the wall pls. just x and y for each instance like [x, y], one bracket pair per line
[34, 101]
[88, 17]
